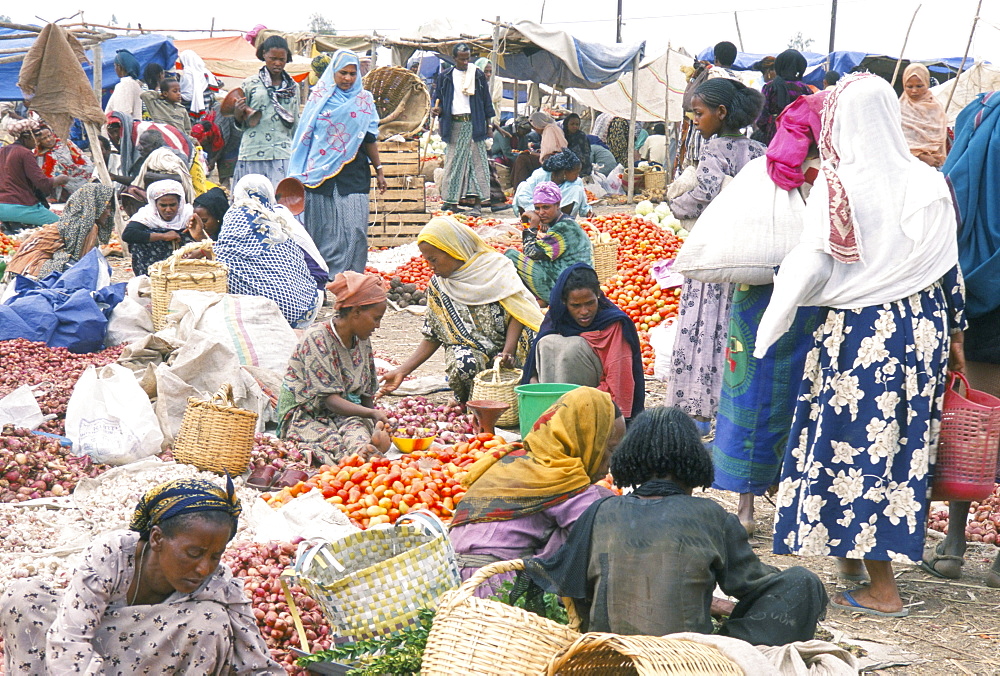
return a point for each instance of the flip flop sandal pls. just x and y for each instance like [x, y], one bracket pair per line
[856, 607]
[930, 565]
[289, 477]
[262, 478]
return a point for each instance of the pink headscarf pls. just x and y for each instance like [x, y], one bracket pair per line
[547, 192]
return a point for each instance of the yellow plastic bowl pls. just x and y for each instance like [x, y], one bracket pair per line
[409, 445]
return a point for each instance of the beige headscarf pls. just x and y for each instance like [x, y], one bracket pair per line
[925, 125]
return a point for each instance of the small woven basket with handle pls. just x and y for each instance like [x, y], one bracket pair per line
[497, 384]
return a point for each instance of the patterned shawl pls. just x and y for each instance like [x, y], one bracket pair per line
[281, 96]
[925, 125]
[333, 125]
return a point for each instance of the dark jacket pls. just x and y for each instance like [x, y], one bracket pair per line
[480, 104]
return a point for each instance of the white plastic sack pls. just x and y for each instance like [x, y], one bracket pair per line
[109, 417]
[20, 409]
[140, 289]
[129, 322]
[661, 338]
[745, 232]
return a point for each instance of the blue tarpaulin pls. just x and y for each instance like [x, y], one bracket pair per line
[845, 61]
[147, 49]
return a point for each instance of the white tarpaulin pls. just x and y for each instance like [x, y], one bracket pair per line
[616, 98]
[981, 77]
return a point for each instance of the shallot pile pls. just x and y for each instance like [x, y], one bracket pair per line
[449, 419]
[34, 466]
[51, 371]
[260, 566]
[984, 520]
[279, 453]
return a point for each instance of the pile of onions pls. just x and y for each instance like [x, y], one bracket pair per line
[279, 453]
[984, 520]
[51, 371]
[451, 422]
[260, 566]
[33, 466]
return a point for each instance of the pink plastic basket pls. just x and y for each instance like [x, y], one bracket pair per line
[970, 439]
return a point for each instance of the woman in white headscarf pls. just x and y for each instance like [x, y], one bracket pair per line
[879, 255]
[257, 243]
[166, 223]
[198, 85]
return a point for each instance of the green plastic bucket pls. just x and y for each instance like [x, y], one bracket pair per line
[534, 399]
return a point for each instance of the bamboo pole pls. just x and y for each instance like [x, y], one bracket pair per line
[739, 33]
[631, 128]
[98, 70]
[965, 56]
[905, 40]
[833, 32]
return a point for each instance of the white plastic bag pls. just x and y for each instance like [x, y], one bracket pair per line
[661, 338]
[20, 409]
[109, 417]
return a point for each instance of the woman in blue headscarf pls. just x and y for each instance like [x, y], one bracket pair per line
[161, 580]
[333, 146]
[126, 96]
[587, 340]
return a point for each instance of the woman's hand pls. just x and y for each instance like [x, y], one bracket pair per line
[380, 181]
[379, 416]
[196, 228]
[390, 382]
[506, 360]
[531, 219]
[956, 355]
[168, 236]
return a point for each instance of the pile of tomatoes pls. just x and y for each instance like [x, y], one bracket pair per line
[7, 245]
[381, 490]
[471, 221]
[414, 271]
[633, 289]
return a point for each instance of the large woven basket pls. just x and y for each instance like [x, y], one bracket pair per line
[656, 179]
[605, 259]
[497, 384]
[474, 636]
[376, 581]
[612, 654]
[216, 435]
[401, 98]
[176, 273]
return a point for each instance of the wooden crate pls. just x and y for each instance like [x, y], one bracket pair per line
[405, 195]
[399, 159]
[395, 229]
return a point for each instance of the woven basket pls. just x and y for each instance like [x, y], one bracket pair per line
[498, 384]
[471, 635]
[656, 179]
[216, 435]
[375, 582]
[608, 654]
[967, 450]
[605, 259]
[401, 98]
[176, 273]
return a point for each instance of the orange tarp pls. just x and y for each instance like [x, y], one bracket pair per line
[229, 48]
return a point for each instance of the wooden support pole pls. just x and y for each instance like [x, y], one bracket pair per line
[98, 70]
[965, 56]
[739, 33]
[631, 128]
[833, 32]
[906, 39]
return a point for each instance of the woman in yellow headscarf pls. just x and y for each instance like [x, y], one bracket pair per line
[523, 498]
[477, 307]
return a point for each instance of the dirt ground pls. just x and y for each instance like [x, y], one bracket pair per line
[953, 627]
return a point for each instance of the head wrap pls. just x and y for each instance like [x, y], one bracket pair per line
[601, 125]
[790, 65]
[481, 63]
[254, 193]
[128, 63]
[547, 192]
[150, 216]
[214, 201]
[559, 458]
[19, 127]
[559, 321]
[195, 79]
[563, 160]
[320, 63]
[183, 496]
[487, 276]
[353, 289]
[251, 35]
[333, 125]
[540, 119]
[766, 63]
[925, 124]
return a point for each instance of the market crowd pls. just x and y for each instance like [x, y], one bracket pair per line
[823, 388]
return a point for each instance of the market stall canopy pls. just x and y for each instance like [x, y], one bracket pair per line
[654, 74]
[53, 80]
[529, 52]
[981, 77]
[147, 49]
[233, 59]
[303, 42]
